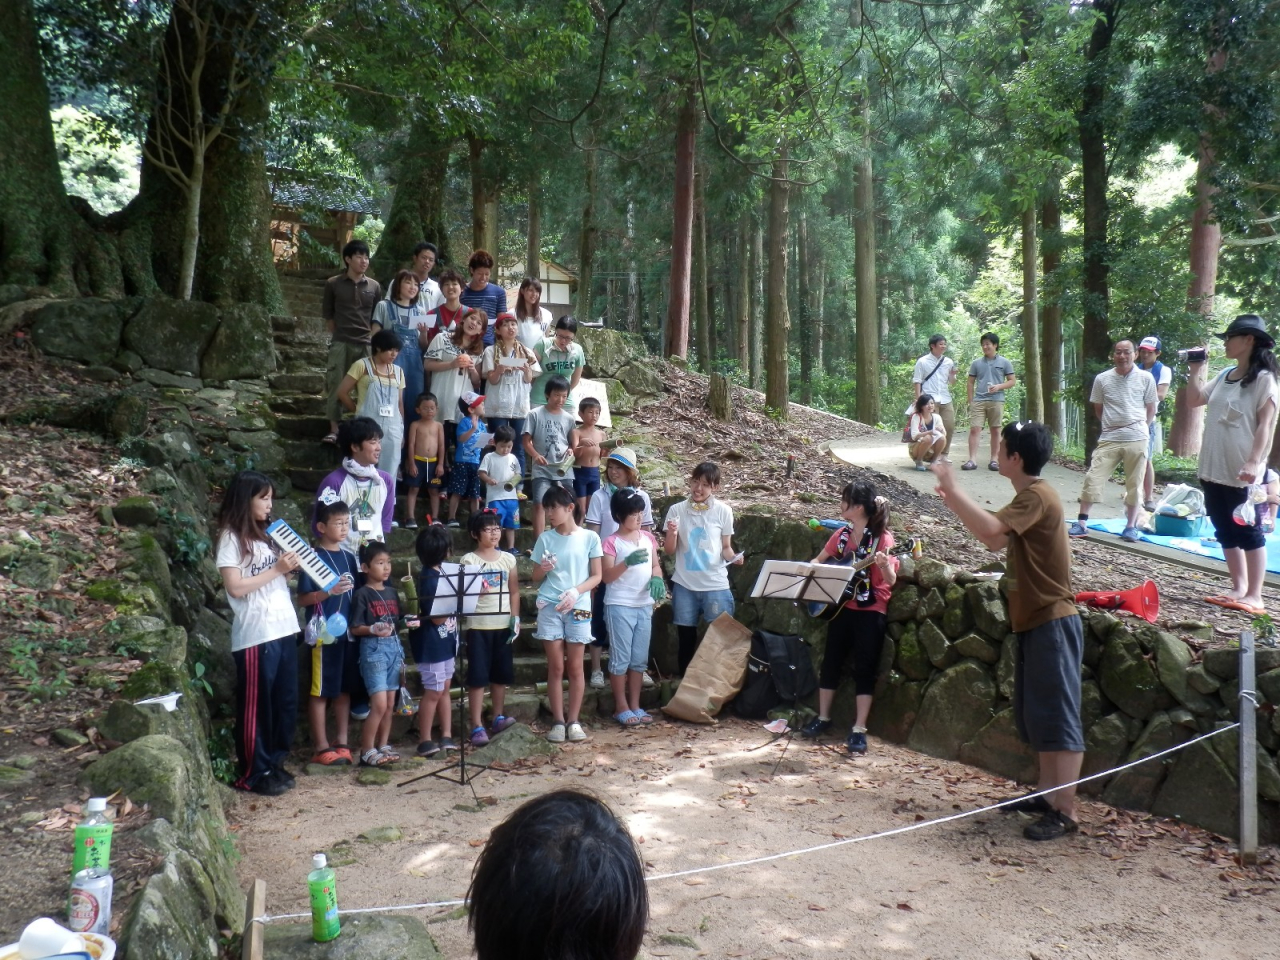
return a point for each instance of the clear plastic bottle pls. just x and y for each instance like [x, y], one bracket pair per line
[93, 838]
[323, 886]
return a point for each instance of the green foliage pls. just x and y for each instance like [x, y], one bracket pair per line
[222, 747]
[198, 680]
[96, 164]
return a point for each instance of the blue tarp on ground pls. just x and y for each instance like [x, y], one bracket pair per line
[1200, 547]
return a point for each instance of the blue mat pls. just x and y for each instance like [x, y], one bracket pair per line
[1196, 545]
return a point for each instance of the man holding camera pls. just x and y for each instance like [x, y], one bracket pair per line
[1124, 399]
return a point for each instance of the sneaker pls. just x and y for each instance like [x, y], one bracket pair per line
[969, 465]
[515, 551]
[447, 744]
[576, 733]
[1149, 506]
[501, 723]
[395, 524]
[993, 466]
[478, 737]
[856, 741]
[411, 524]
[1027, 804]
[1077, 529]
[1131, 535]
[286, 778]
[453, 525]
[269, 785]
[922, 468]
[360, 713]
[597, 679]
[815, 728]
[556, 733]
[428, 748]
[646, 680]
[1051, 826]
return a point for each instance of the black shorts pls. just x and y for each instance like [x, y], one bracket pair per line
[1046, 685]
[335, 669]
[1219, 503]
[489, 658]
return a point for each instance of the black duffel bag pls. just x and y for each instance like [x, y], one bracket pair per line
[779, 673]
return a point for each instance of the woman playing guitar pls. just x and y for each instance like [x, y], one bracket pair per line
[859, 627]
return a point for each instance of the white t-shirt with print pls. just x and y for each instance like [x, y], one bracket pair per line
[632, 588]
[500, 467]
[264, 614]
[699, 565]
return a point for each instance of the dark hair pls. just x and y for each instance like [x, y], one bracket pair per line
[424, 245]
[480, 520]
[1031, 441]
[384, 340]
[478, 259]
[433, 544]
[504, 434]
[1262, 357]
[236, 514]
[567, 323]
[989, 337]
[863, 495]
[559, 878]
[401, 277]
[356, 432]
[922, 400]
[624, 502]
[708, 471]
[557, 496]
[327, 511]
[557, 384]
[588, 402]
[460, 333]
[528, 283]
[936, 339]
[372, 550]
[450, 275]
[353, 247]
[425, 396]
[464, 408]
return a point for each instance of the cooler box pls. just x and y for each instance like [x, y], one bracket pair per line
[1167, 526]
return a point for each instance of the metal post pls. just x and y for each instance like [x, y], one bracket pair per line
[1248, 752]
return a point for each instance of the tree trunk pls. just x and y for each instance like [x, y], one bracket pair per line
[756, 333]
[867, 402]
[677, 334]
[804, 257]
[1095, 339]
[533, 242]
[817, 285]
[778, 328]
[191, 227]
[587, 241]
[742, 300]
[701, 313]
[633, 276]
[421, 171]
[1051, 318]
[484, 200]
[720, 398]
[1030, 319]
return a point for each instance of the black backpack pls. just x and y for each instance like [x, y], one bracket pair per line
[779, 671]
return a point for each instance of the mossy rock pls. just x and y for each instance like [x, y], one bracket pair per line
[136, 512]
[998, 748]
[1135, 788]
[896, 708]
[607, 351]
[904, 603]
[990, 614]
[913, 661]
[385, 937]
[36, 571]
[1173, 664]
[641, 380]
[978, 647]
[931, 604]
[1128, 679]
[620, 401]
[956, 619]
[127, 598]
[172, 335]
[957, 704]
[1186, 792]
[149, 561]
[86, 329]
[933, 574]
[154, 679]
[155, 769]
[242, 347]
[1105, 744]
[936, 646]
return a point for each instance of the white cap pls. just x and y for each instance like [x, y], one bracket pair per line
[318, 862]
[96, 804]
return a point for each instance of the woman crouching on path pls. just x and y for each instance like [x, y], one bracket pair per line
[859, 627]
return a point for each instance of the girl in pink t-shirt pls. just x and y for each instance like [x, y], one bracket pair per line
[859, 627]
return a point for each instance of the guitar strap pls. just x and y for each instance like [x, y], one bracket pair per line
[863, 595]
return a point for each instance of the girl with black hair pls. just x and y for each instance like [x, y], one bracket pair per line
[1240, 418]
[263, 628]
[859, 627]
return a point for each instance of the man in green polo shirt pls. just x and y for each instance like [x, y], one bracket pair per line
[349, 299]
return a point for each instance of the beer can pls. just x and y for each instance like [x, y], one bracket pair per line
[89, 907]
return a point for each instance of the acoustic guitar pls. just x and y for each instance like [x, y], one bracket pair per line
[828, 611]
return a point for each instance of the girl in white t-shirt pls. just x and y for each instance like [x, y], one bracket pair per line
[634, 574]
[263, 629]
[533, 320]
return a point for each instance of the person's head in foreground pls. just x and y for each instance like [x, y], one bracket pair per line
[1030, 443]
[559, 879]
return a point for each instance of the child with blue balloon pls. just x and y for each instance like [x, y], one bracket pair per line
[335, 657]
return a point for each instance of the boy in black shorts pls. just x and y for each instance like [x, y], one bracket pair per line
[1046, 699]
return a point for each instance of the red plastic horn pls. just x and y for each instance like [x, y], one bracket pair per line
[1144, 601]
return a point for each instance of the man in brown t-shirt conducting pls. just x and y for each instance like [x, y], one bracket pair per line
[1046, 698]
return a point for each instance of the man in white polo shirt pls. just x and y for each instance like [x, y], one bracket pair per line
[1149, 360]
[1124, 398]
[934, 374]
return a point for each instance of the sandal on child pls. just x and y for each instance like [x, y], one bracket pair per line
[643, 717]
[372, 758]
[342, 750]
[627, 719]
[387, 752]
[329, 757]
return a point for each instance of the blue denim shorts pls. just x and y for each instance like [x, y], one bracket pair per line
[687, 605]
[380, 661]
[629, 632]
[572, 627]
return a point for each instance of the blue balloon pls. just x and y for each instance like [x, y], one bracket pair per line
[337, 624]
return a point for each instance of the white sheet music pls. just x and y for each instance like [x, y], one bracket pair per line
[798, 580]
[448, 590]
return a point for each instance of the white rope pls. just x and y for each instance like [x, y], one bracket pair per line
[268, 918]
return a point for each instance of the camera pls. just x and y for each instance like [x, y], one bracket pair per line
[1195, 355]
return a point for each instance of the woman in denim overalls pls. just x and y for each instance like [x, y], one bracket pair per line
[401, 314]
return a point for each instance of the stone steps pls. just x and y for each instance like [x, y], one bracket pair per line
[307, 381]
[302, 427]
[297, 404]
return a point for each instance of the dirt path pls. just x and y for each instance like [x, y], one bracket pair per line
[1126, 887]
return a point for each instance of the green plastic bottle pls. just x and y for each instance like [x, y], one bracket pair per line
[324, 900]
[93, 838]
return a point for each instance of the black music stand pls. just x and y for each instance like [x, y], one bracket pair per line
[799, 582]
[459, 591]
